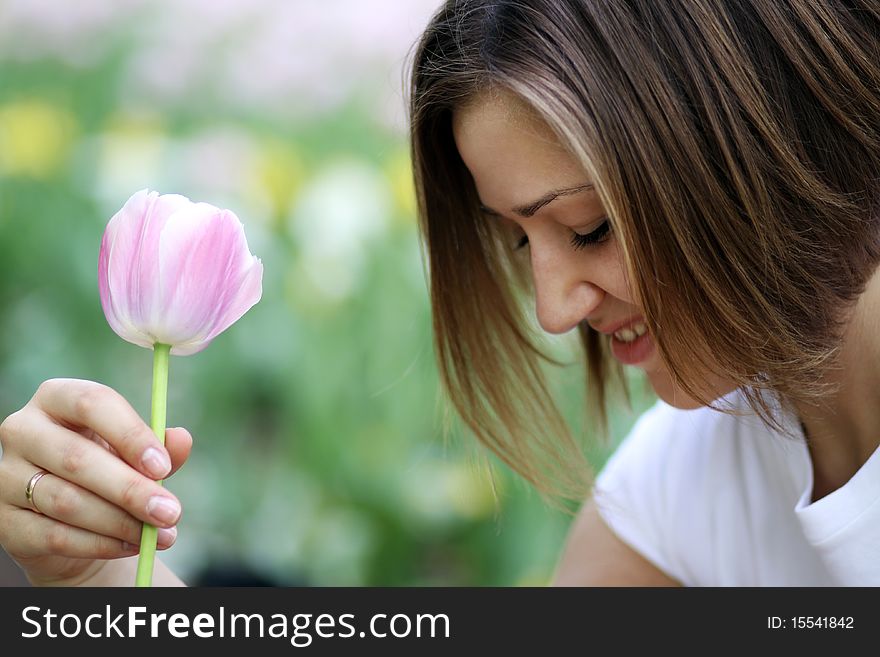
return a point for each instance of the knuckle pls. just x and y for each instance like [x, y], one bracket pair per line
[130, 529]
[74, 457]
[9, 428]
[131, 492]
[135, 434]
[46, 387]
[87, 400]
[58, 539]
[67, 501]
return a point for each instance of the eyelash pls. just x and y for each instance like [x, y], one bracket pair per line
[579, 241]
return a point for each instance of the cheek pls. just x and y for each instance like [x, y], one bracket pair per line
[611, 274]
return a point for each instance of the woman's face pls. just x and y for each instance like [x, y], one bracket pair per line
[527, 181]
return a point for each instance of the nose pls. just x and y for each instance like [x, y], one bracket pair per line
[565, 292]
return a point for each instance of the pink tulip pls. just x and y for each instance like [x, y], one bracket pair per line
[175, 272]
[173, 275]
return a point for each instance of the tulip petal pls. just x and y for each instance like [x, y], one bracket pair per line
[128, 268]
[119, 249]
[144, 271]
[205, 276]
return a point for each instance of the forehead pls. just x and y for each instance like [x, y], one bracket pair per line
[496, 114]
[512, 154]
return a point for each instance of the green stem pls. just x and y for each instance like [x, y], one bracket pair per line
[161, 353]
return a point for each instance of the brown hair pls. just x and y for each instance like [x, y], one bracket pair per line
[735, 146]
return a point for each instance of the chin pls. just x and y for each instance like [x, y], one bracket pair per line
[671, 394]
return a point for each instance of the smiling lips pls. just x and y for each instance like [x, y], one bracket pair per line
[631, 341]
[632, 332]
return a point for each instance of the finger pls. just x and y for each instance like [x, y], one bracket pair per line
[98, 407]
[41, 536]
[103, 443]
[178, 442]
[73, 505]
[70, 456]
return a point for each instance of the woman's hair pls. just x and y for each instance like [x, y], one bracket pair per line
[735, 146]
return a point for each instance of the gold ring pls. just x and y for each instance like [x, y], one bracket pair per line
[29, 491]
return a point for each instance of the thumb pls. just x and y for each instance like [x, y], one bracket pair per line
[178, 442]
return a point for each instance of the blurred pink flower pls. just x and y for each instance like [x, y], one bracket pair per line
[175, 272]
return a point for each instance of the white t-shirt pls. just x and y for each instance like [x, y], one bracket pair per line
[718, 500]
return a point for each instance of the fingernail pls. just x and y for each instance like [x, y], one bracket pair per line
[167, 536]
[163, 509]
[128, 547]
[156, 462]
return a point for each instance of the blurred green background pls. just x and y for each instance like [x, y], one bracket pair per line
[319, 453]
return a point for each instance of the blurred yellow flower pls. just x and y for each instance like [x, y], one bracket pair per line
[279, 176]
[35, 138]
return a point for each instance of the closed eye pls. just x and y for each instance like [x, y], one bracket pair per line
[578, 241]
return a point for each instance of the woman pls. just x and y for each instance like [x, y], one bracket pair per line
[693, 185]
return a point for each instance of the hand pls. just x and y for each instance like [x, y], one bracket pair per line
[102, 461]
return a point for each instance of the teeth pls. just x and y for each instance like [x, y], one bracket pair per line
[631, 333]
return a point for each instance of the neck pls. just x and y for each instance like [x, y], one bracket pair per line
[844, 431]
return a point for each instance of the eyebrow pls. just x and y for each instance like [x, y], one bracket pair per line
[530, 209]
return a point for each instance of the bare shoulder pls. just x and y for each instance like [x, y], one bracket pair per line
[595, 556]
